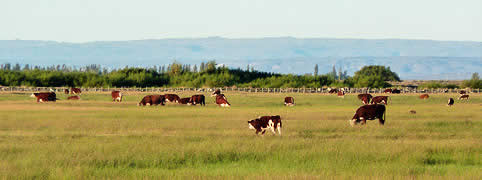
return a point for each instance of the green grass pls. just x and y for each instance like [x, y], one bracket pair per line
[95, 138]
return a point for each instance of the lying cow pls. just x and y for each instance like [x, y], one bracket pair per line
[152, 100]
[464, 96]
[380, 100]
[221, 100]
[365, 98]
[424, 96]
[45, 96]
[266, 122]
[289, 101]
[116, 96]
[75, 91]
[171, 98]
[369, 112]
[198, 99]
[73, 98]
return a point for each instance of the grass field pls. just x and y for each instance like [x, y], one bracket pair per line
[95, 138]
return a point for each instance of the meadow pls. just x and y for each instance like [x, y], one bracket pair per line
[94, 138]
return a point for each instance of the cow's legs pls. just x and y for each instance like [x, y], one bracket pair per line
[381, 120]
[279, 128]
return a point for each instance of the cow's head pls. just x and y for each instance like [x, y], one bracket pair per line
[253, 123]
[33, 95]
[215, 93]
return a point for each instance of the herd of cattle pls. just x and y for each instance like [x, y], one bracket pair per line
[373, 108]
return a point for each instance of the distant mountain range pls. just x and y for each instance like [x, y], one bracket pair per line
[411, 59]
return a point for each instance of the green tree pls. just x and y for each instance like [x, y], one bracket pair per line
[374, 76]
[474, 82]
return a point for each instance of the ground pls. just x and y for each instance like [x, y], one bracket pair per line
[96, 138]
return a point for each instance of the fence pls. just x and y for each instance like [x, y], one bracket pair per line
[229, 89]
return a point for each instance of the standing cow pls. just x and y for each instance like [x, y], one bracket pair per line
[45, 96]
[369, 112]
[221, 100]
[66, 91]
[116, 96]
[464, 96]
[152, 100]
[171, 98]
[365, 98]
[341, 94]
[75, 90]
[289, 101]
[380, 100]
[197, 99]
[395, 91]
[450, 102]
[266, 122]
[388, 91]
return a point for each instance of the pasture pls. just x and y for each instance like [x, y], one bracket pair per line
[96, 138]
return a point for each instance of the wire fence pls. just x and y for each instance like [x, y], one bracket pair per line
[234, 89]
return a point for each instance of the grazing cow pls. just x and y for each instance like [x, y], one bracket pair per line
[365, 98]
[266, 122]
[198, 99]
[341, 94]
[152, 100]
[380, 100]
[66, 91]
[116, 96]
[75, 91]
[424, 96]
[388, 91]
[289, 101]
[450, 102]
[221, 100]
[73, 98]
[413, 112]
[464, 96]
[171, 98]
[45, 96]
[463, 92]
[333, 91]
[369, 112]
[184, 101]
[395, 91]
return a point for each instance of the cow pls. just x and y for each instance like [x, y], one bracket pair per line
[463, 92]
[198, 99]
[450, 102]
[45, 96]
[73, 98]
[289, 101]
[380, 100]
[333, 91]
[221, 100]
[184, 101]
[413, 112]
[266, 122]
[424, 96]
[369, 112]
[464, 96]
[152, 100]
[116, 96]
[388, 91]
[395, 91]
[75, 91]
[171, 98]
[365, 98]
[66, 91]
[341, 94]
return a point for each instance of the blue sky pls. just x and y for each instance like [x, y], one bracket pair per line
[99, 20]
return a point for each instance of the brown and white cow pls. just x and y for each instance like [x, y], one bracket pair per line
[463, 92]
[369, 112]
[171, 98]
[197, 99]
[221, 100]
[424, 96]
[152, 100]
[266, 122]
[365, 98]
[450, 102]
[66, 91]
[289, 101]
[184, 101]
[464, 96]
[73, 98]
[116, 96]
[380, 100]
[388, 91]
[341, 94]
[75, 91]
[45, 96]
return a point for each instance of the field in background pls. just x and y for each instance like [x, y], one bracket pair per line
[95, 138]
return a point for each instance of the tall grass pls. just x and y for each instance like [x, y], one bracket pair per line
[95, 138]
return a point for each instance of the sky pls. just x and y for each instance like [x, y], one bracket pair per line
[117, 20]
